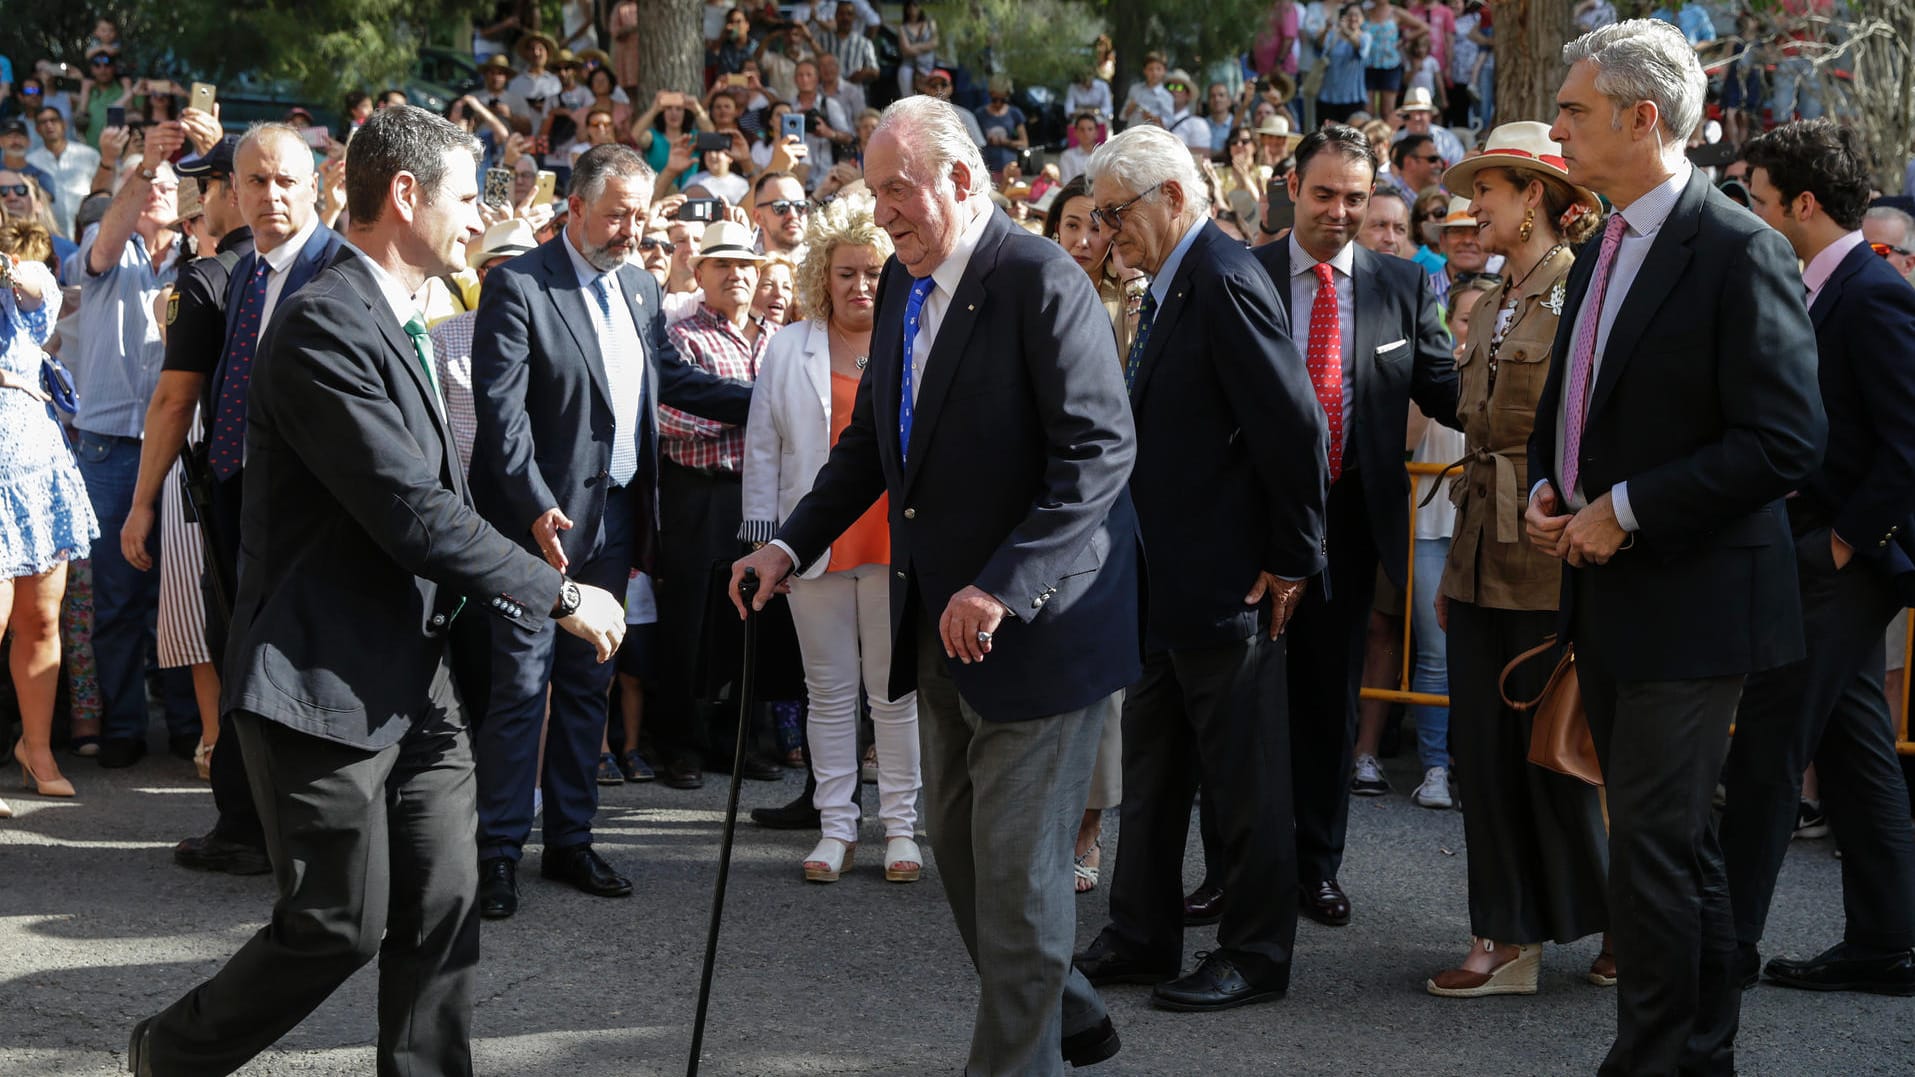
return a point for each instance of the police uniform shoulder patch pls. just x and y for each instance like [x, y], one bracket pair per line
[172, 308]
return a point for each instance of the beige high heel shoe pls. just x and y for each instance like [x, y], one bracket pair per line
[1517, 976]
[46, 787]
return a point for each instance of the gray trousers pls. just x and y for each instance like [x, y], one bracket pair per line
[374, 855]
[1002, 804]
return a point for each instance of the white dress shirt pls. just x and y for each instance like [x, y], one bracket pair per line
[623, 350]
[1645, 217]
[404, 306]
[944, 281]
[1303, 295]
[278, 261]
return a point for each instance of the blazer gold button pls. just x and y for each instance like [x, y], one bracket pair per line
[910, 514]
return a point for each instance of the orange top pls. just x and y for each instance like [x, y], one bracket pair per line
[868, 542]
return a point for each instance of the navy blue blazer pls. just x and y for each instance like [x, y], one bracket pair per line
[1402, 353]
[545, 424]
[1706, 405]
[358, 544]
[1231, 471]
[1864, 319]
[318, 253]
[1021, 446]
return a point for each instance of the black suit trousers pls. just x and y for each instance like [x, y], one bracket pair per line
[1828, 708]
[1662, 745]
[1326, 665]
[1219, 711]
[701, 513]
[373, 855]
[232, 793]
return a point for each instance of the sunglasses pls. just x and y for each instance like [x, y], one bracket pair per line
[1427, 158]
[1889, 250]
[29, 91]
[18, 190]
[1112, 219]
[650, 244]
[102, 61]
[1176, 87]
[783, 206]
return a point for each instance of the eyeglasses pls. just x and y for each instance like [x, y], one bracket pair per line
[783, 206]
[1112, 219]
[1890, 250]
[18, 190]
[651, 244]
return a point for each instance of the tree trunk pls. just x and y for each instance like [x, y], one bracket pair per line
[1529, 57]
[671, 54]
[1130, 36]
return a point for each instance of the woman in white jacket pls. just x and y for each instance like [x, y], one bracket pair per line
[841, 603]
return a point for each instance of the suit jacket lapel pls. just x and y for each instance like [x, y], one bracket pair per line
[1366, 302]
[954, 332]
[576, 311]
[1831, 293]
[1662, 268]
[405, 355]
[817, 360]
[887, 340]
[1172, 308]
[312, 258]
[1279, 269]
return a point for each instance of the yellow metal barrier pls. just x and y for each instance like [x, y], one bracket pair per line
[1904, 740]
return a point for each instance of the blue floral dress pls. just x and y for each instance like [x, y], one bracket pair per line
[45, 517]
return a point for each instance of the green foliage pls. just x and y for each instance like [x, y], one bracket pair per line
[324, 46]
[1187, 32]
[1043, 42]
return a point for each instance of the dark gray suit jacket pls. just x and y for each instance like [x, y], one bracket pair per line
[1706, 404]
[545, 423]
[1020, 449]
[358, 544]
[1231, 474]
[1401, 353]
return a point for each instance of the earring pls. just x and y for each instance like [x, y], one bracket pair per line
[1529, 224]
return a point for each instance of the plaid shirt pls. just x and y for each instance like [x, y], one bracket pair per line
[452, 355]
[710, 342]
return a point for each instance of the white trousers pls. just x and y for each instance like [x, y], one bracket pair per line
[844, 632]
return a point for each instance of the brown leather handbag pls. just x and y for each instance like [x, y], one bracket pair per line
[1559, 738]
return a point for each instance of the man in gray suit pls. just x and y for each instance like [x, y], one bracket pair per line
[358, 548]
[1014, 601]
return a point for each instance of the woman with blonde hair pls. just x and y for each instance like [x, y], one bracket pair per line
[46, 521]
[840, 604]
[1538, 851]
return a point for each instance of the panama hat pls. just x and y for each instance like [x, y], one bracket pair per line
[506, 239]
[1279, 127]
[598, 57]
[726, 239]
[1417, 100]
[1524, 144]
[525, 42]
[1459, 214]
[498, 61]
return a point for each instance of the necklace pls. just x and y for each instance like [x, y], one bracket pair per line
[861, 361]
[1512, 296]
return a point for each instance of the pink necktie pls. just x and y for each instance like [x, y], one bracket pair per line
[1582, 357]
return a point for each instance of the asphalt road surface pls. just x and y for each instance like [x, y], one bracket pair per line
[99, 928]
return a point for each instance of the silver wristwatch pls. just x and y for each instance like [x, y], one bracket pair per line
[569, 601]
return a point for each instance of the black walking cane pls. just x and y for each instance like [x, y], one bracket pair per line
[747, 590]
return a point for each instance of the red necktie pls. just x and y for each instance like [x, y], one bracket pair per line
[1324, 356]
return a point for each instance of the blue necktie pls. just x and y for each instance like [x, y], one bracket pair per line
[920, 288]
[1144, 317]
[624, 442]
[228, 436]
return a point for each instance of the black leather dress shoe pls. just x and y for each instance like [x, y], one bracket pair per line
[1203, 905]
[759, 769]
[1219, 982]
[1324, 902]
[121, 753]
[797, 815]
[683, 773]
[1092, 1045]
[1103, 963]
[138, 1059]
[210, 852]
[498, 887]
[1747, 967]
[1844, 967]
[585, 869]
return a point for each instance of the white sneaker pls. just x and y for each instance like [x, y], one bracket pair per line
[1367, 778]
[1435, 790]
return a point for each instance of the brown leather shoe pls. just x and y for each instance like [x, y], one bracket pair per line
[1324, 902]
[1602, 971]
[1203, 905]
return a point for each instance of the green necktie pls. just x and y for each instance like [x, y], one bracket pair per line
[422, 347]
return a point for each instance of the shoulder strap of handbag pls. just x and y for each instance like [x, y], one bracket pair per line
[1502, 681]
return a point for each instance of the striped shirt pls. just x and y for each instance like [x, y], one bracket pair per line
[120, 352]
[853, 50]
[709, 341]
